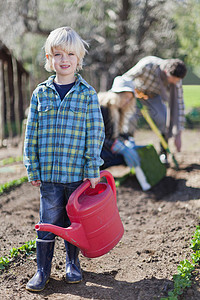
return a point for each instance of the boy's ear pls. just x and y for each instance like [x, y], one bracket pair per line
[47, 55]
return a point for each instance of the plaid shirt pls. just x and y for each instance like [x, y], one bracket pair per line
[148, 78]
[63, 139]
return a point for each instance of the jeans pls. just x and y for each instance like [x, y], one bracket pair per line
[157, 110]
[53, 201]
[111, 159]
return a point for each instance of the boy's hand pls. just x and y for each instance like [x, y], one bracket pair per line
[93, 181]
[36, 183]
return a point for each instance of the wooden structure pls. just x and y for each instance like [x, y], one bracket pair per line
[14, 94]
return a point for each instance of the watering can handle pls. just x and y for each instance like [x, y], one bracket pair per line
[86, 184]
[110, 180]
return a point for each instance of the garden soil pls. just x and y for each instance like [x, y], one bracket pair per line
[158, 225]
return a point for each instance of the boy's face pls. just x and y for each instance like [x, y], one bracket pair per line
[64, 63]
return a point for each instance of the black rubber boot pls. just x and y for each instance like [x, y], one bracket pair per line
[73, 269]
[44, 257]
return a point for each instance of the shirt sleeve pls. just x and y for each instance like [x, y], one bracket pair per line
[95, 135]
[31, 161]
[181, 107]
[137, 71]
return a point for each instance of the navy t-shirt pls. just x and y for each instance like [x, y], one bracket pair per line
[63, 89]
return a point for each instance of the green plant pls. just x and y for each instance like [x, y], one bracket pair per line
[183, 279]
[10, 160]
[4, 262]
[196, 257]
[8, 185]
[27, 248]
[13, 252]
[193, 117]
[185, 268]
[195, 242]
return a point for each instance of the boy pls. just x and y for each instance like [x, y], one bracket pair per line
[63, 142]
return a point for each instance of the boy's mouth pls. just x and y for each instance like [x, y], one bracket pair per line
[65, 66]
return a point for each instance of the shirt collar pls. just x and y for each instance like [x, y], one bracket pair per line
[79, 81]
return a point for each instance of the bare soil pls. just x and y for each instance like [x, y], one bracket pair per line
[158, 224]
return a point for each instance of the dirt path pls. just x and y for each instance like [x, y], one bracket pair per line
[158, 228]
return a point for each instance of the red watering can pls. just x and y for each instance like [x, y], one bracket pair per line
[96, 227]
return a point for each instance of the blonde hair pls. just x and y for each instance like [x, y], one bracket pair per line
[67, 39]
[119, 116]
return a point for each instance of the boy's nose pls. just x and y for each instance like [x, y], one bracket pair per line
[65, 57]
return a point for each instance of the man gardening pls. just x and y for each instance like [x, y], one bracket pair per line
[158, 82]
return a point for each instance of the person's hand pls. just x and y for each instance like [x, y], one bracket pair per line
[130, 143]
[130, 155]
[36, 183]
[93, 181]
[177, 142]
[141, 95]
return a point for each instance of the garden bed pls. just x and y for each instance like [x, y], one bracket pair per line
[158, 224]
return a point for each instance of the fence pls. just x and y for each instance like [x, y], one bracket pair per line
[14, 94]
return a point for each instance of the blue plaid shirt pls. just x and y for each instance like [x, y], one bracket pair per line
[63, 139]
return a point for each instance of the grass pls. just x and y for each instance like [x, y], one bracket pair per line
[191, 96]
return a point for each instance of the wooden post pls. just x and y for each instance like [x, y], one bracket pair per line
[25, 92]
[26, 104]
[8, 100]
[16, 96]
[2, 128]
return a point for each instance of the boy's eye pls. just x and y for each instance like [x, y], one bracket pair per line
[70, 53]
[57, 54]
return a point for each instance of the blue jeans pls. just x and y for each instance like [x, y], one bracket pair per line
[53, 201]
[111, 159]
[157, 110]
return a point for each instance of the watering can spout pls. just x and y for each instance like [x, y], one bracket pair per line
[73, 234]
